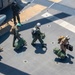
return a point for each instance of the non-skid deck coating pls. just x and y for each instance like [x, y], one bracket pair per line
[35, 60]
[31, 12]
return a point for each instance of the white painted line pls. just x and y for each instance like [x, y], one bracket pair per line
[46, 15]
[51, 5]
[61, 22]
[32, 1]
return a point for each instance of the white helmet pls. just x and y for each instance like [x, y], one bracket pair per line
[38, 24]
[67, 37]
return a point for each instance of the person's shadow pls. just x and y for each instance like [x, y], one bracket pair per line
[66, 60]
[21, 49]
[0, 57]
[40, 49]
[4, 37]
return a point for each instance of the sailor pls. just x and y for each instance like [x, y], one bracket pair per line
[15, 10]
[36, 34]
[16, 34]
[63, 41]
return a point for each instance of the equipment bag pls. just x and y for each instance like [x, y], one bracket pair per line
[69, 47]
[21, 42]
[43, 35]
[59, 53]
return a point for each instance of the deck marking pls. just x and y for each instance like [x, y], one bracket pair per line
[29, 13]
[51, 5]
[60, 22]
[56, 1]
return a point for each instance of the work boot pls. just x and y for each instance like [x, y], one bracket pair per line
[13, 45]
[44, 45]
[33, 44]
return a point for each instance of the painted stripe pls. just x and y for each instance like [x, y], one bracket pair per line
[31, 12]
[56, 1]
[32, 1]
[51, 5]
[61, 22]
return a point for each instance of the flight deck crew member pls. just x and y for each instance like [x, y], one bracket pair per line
[36, 34]
[15, 10]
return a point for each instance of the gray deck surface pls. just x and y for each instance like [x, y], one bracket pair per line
[35, 60]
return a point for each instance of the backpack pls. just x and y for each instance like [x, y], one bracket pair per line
[59, 53]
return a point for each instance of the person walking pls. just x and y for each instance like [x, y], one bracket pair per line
[16, 34]
[36, 34]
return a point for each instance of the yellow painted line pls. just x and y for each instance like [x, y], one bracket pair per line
[31, 12]
[3, 26]
[27, 14]
[56, 1]
[60, 22]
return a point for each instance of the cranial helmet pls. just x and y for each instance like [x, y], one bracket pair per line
[38, 24]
